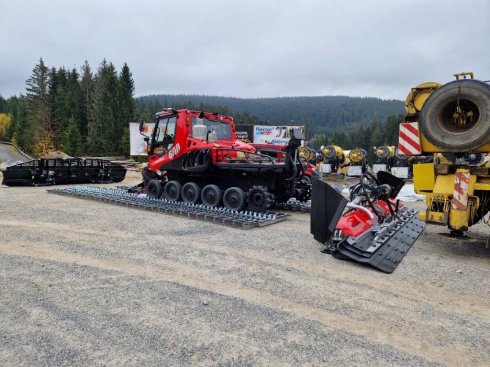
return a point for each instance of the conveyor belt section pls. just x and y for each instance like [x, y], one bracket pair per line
[243, 219]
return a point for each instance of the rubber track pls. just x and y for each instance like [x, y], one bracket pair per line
[242, 219]
[54, 171]
[292, 204]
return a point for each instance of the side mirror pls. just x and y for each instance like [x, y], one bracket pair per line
[143, 130]
[142, 127]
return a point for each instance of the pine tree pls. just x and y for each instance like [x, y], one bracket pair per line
[127, 112]
[74, 92]
[38, 109]
[3, 105]
[87, 92]
[20, 128]
[111, 91]
[342, 140]
[125, 145]
[103, 112]
[68, 104]
[318, 140]
[60, 105]
[378, 135]
[96, 136]
[52, 88]
[361, 138]
[72, 139]
[391, 128]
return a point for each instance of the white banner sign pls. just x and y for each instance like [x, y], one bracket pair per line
[137, 141]
[273, 134]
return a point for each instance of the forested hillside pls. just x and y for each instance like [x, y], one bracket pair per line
[87, 112]
[79, 113]
[320, 114]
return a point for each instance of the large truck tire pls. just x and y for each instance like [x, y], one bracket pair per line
[437, 119]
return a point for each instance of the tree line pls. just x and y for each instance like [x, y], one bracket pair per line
[148, 106]
[320, 115]
[82, 113]
[349, 122]
[87, 113]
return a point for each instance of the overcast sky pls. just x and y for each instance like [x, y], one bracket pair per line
[251, 48]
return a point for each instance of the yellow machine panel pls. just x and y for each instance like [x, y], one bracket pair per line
[418, 95]
[424, 176]
[444, 184]
[428, 147]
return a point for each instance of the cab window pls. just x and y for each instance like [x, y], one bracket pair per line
[164, 135]
[222, 129]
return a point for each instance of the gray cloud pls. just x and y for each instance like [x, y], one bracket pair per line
[251, 48]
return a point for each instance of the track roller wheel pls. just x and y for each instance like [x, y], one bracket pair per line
[259, 199]
[172, 190]
[191, 193]
[154, 189]
[148, 175]
[211, 195]
[234, 198]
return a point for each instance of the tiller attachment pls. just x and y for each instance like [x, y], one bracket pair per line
[372, 228]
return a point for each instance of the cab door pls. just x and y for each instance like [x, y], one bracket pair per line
[163, 137]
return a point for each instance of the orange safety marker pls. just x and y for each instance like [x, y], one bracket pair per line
[409, 139]
[460, 193]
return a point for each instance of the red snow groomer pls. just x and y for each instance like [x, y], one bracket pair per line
[279, 151]
[195, 157]
[370, 227]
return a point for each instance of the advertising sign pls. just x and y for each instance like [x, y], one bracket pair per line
[273, 134]
[137, 143]
[245, 133]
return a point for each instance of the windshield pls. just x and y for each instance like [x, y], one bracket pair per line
[163, 135]
[165, 130]
[222, 129]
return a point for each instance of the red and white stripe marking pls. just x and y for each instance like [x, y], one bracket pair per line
[460, 194]
[409, 138]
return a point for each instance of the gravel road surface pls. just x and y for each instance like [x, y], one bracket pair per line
[85, 283]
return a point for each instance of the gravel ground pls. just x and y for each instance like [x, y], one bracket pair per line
[85, 283]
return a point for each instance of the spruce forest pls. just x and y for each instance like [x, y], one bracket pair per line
[84, 113]
[87, 112]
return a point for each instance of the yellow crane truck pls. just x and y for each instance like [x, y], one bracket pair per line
[450, 122]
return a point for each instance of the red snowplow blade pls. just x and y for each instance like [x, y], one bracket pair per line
[357, 234]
